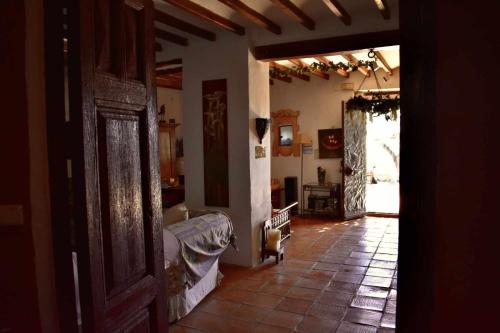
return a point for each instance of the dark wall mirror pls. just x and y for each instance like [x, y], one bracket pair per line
[286, 135]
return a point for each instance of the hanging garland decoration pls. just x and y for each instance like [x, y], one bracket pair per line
[377, 105]
[276, 72]
[319, 66]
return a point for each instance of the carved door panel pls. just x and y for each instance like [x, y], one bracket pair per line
[116, 166]
[354, 165]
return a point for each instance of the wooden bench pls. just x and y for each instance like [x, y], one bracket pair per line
[280, 220]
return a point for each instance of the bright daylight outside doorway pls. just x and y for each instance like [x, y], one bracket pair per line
[382, 155]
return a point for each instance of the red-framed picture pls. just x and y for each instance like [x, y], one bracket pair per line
[331, 143]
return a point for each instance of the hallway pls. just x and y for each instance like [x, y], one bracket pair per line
[336, 277]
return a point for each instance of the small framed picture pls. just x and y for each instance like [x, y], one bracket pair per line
[331, 143]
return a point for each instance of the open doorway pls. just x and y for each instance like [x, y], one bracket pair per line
[382, 160]
[331, 171]
[329, 166]
[170, 134]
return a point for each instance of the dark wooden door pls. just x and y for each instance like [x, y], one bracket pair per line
[167, 152]
[354, 165]
[116, 166]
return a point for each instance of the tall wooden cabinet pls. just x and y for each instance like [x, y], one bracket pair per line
[166, 140]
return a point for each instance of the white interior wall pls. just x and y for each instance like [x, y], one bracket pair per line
[230, 57]
[229, 60]
[260, 169]
[319, 103]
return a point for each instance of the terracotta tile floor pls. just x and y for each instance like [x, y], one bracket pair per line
[336, 277]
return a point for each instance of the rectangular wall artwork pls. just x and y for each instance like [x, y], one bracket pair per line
[331, 143]
[215, 148]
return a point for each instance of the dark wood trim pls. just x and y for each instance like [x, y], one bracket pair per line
[175, 61]
[181, 25]
[58, 153]
[418, 165]
[296, 13]
[169, 83]
[338, 10]
[169, 71]
[252, 15]
[326, 46]
[207, 15]
[384, 9]
[170, 37]
[292, 73]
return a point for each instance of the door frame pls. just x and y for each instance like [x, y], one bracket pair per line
[417, 51]
[418, 124]
[57, 155]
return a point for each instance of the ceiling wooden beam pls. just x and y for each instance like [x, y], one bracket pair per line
[169, 83]
[383, 8]
[318, 73]
[339, 71]
[169, 71]
[325, 46]
[207, 15]
[385, 64]
[338, 10]
[295, 12]
[183, 26]
[253, 15]
[292, 73]
[175, 61]
[352, 59]
[170, 37]
[286, 79]
[158, 47]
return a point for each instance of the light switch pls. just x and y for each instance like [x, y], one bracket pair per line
[11, 215]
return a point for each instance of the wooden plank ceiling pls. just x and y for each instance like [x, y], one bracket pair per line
[197, 19]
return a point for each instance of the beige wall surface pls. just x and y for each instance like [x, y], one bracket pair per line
[320, 104]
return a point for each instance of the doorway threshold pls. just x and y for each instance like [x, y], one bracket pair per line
[388, 215]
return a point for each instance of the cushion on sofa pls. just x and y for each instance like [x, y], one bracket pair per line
[175, 214]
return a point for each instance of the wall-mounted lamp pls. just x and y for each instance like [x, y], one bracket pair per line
[261, 126]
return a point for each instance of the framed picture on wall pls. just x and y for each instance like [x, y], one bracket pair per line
[331, 143]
